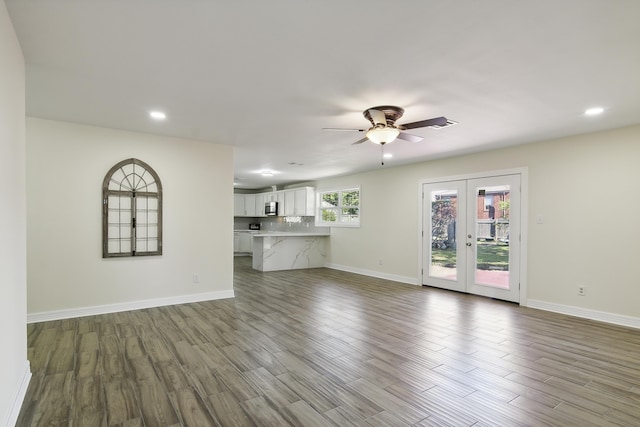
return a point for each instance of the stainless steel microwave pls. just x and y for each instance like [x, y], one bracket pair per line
[271, 208]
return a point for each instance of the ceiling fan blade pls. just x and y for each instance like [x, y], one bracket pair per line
[378, 117]
[360, 141]
[409, 137]
[437, 121]
[345, 129]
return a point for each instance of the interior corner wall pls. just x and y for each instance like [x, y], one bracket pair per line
[582, 186]
[66, 164]
[14, 367]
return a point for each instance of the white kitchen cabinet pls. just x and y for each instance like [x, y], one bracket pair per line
[238, 205]
[242, 242]
[293, 202]
[271, 197]
[304, 201]
[250, 205]
[280, 200]
[299, 202]
[289, 203]
[260, 200]
[246, 242]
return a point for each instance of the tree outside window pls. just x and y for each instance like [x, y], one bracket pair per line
[339, 208]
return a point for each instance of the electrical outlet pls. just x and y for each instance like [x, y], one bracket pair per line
[582, 291]
[196, 278]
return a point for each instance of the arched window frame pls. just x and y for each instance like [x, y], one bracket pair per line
[131, 210]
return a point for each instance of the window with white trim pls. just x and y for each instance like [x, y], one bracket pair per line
[338, 208]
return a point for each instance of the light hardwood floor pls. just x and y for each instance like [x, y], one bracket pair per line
[322, 347]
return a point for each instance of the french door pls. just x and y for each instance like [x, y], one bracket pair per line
[471, 236]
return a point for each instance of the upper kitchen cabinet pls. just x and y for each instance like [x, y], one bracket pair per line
[289, 203]
[299, 201]
[244, 205]
[250, 205]
[280, 200]
[293, 202]
[238, 205]
[272, 196]
[260, 200]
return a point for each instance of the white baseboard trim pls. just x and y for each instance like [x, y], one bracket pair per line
[14, 410]
[379, 275]
[126, 306]
[602, 316]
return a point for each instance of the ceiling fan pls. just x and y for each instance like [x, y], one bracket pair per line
[384, 129]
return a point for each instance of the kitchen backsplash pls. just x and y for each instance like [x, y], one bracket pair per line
[279, 223]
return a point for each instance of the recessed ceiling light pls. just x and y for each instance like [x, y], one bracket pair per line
[594, 111]
[157, 115]
[266, 173]
[387, 155]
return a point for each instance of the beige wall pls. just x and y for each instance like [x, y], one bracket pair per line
[66, 164]
[584, 187]
[13, 282]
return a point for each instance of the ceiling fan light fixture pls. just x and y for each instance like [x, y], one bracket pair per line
[382, 135]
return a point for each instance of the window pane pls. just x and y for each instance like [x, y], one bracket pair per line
[113, 217]
[350, 214]
[116, 178]
[329, 215]
[329, 199]
[118, 232]
[152, 217]
[118, 246]
[152, 245]
[114, 246]
[492, 234]
[114, 202]
[141, 202]
[141, 245]
[351, 198]
[125, 202]
[125, 217]
[444, 212]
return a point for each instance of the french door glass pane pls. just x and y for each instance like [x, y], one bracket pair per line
[444, 212]
[492, 236]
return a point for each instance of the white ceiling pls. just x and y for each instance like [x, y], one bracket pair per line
[267, 76]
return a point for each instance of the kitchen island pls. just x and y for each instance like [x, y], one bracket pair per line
[273, 251]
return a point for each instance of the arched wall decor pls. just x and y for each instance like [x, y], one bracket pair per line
[131, 210]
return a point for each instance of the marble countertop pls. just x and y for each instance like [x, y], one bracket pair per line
[290, 234]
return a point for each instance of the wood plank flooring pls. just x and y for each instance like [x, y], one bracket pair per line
[328, 348]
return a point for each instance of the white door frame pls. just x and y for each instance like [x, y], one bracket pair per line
[524, 204]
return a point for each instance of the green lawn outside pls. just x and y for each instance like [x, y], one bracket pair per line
[491, 256]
